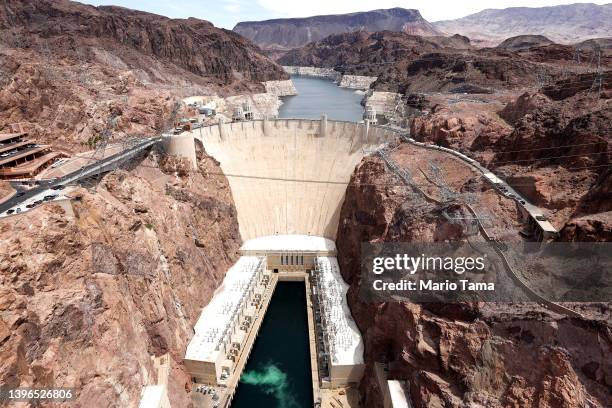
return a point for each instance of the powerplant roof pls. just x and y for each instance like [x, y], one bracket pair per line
[216, 320]
[289, 243]
[346, 345]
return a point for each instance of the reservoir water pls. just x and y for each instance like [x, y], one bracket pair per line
[277, 374]
[316, 96]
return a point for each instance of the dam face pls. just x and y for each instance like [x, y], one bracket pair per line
[289, 176]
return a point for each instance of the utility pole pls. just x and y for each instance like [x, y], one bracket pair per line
[598, 81]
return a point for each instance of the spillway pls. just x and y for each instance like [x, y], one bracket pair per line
[289, 176]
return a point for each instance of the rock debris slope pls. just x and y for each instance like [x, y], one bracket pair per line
[88, 301]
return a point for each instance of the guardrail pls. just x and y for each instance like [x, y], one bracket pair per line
[533, 211]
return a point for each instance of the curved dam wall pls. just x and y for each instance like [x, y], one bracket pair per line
[289, 176]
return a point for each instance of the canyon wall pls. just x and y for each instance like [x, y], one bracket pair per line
[313, 72]
[556, 153]
[409, 63]
[88, 301]
[68, 70]
[287, 33]
[463, 354]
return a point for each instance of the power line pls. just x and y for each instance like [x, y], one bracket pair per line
[492, 162]
[549, 158]
[551, 148]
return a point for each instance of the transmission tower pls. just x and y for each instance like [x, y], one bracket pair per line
[169, 125]
[100, 145]
[598, 81]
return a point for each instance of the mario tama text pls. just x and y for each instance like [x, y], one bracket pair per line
[487, 271]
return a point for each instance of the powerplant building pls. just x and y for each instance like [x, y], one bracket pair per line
[230, 321]
[225, 322]
[288, 180]
[340, 345]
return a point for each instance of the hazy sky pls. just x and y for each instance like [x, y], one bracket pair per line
[226, 13]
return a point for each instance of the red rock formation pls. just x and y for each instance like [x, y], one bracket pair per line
[406, 63]
[463, 355]
[87, 301]
[65, 68]
[192, 44]
[554, 152]
[461, 126]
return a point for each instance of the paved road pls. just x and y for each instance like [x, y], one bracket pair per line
[46, 187]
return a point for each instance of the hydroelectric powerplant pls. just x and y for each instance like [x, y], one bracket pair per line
[288, 179]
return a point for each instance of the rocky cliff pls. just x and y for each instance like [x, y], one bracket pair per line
[291, 33]
[462, 355]
[88, 301]
[523, 42]
[554, 152]
[65, 68]
[565, 24]
[194, 45]
[405, 63]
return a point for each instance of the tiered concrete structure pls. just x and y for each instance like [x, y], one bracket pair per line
[384, 103]
[23, 158]
[370, 115]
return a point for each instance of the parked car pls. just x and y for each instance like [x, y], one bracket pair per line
[58, 187]
[10, 211]
[50, 197]
[31, 205]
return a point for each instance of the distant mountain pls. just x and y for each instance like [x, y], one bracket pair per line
[524, 42]
[289, 33]
[562, 24]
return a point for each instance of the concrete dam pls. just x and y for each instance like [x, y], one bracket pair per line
[288, 179]
[289, 176]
